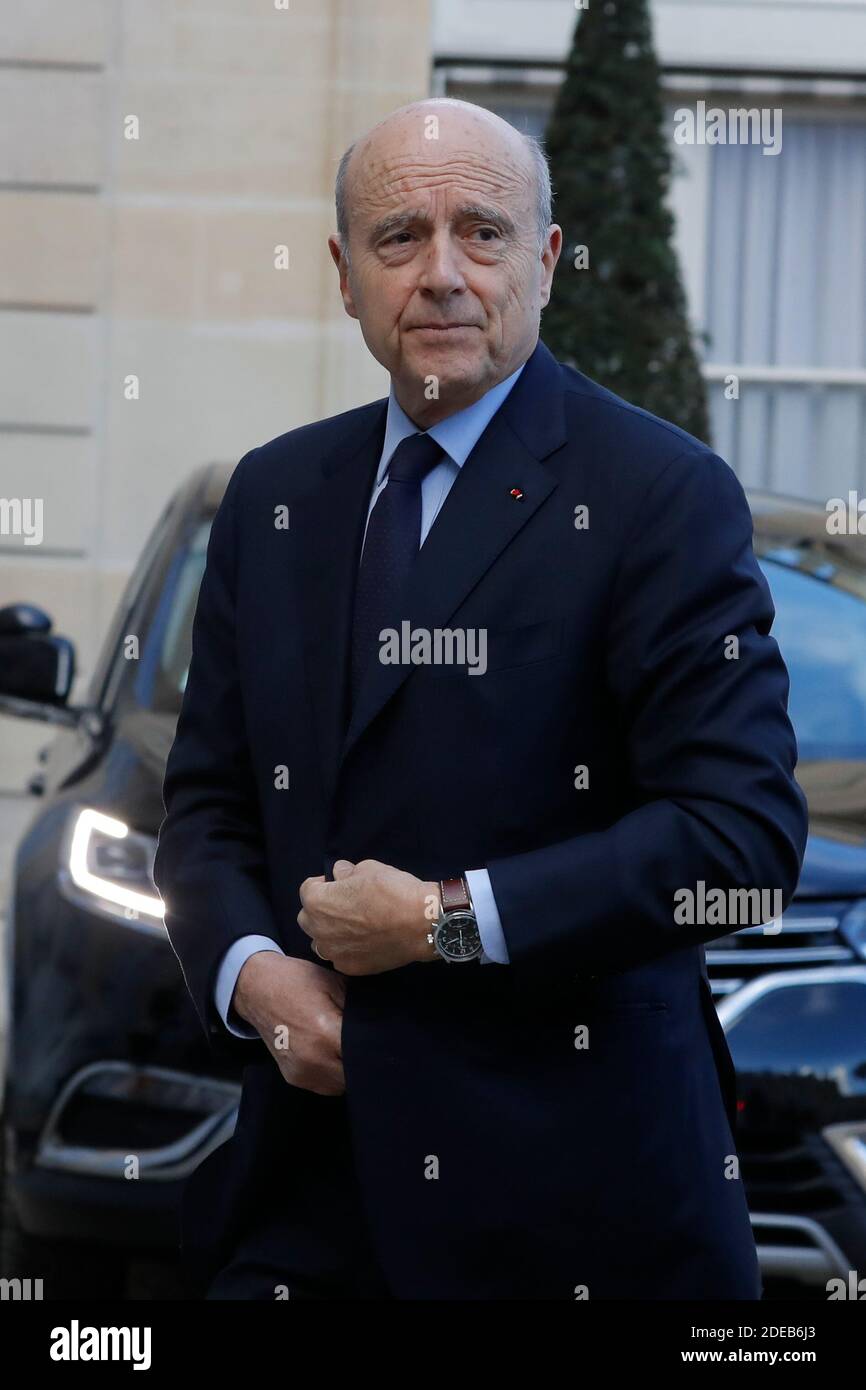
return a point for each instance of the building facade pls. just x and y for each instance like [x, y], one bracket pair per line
[167, 297]
[772, 247]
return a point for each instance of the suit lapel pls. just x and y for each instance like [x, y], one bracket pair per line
[475, 524]
[328, 526]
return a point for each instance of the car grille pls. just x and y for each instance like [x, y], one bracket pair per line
[791, 1173]
[810, 936]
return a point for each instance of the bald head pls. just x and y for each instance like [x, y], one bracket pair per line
[523, 147]
[446, 208]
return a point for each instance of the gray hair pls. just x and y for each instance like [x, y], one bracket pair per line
[543, 192]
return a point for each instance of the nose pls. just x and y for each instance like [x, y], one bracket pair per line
[441, 273]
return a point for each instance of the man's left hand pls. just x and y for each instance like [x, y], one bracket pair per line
[371, 918]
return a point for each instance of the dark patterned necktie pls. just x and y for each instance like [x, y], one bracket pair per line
[390, 546]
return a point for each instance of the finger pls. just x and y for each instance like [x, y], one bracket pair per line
[309, 887]
[342, 868]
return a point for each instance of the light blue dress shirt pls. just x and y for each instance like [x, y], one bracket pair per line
[457, 435]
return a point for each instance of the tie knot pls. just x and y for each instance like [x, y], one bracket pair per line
[413, 458]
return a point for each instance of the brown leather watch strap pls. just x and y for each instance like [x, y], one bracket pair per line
[454, 893]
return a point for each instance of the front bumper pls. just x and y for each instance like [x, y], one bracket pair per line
[798, 1041]
[111, 1159]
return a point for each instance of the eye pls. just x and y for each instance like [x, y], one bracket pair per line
[395, 239]
[486, 232]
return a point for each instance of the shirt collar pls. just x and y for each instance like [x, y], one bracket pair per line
[457, 434]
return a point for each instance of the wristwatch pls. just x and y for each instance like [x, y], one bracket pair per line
[455, 934]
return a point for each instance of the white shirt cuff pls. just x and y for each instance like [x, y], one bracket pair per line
[227, 977]
[495, 951]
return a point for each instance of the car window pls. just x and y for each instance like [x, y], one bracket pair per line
[820, 627]
[109, 668]
[161, 673]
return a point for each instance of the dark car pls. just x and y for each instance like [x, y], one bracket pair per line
[791, 997]
[112, 1093]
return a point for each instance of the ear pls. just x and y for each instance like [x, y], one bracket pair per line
[336, 250]
[549, 256]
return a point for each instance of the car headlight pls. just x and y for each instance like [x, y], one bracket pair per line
[108, 868]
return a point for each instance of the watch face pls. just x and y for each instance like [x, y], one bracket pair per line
[457, 937]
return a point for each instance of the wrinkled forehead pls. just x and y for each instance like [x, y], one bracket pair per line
[412, 162]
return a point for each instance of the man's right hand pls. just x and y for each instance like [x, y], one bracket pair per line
[297, 1008]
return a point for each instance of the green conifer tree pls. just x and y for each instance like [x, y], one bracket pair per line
[622, 318]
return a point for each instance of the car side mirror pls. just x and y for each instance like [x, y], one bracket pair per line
[35, 664]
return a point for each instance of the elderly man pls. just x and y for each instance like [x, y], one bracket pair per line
[454, 742]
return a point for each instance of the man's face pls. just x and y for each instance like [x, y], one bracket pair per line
[446, 274]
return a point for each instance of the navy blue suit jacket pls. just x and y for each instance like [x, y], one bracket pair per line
[559, 1166]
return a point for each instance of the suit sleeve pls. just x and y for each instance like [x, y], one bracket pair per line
[709, 746]
[210, 862]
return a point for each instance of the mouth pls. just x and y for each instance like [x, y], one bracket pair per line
[442, 327]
